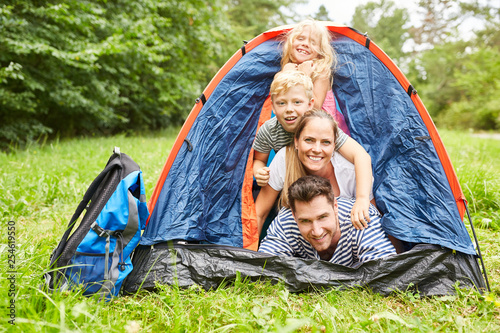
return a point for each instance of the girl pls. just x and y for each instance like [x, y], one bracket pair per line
[307, 48]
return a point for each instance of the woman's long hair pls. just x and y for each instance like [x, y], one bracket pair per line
[326, 61]
[294, 167]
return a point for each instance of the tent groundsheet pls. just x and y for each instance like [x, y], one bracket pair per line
[428, 269]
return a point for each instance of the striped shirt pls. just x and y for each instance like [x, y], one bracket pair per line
[272, 136]
[354, 246]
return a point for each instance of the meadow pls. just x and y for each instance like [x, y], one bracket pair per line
[40, 187]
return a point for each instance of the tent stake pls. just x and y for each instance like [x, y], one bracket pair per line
[478, 249]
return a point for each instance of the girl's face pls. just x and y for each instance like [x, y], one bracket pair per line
[316, 145]
[305, 46]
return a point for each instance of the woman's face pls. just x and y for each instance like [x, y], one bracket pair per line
[316, 145]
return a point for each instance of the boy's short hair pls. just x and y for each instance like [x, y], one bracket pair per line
[306, 188]
[285, 80]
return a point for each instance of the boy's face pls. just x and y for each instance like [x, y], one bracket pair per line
[290, 106]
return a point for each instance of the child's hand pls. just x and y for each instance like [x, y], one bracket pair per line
[359, 214]
[262, 176]
[306, 67]
[289, 67]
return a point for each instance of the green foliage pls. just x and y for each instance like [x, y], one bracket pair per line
[99, 67]
[385, 24]
[440, 20]
[478, 83]
[252, 17]
[459, 85]
[457, 78]
[85, 67]
[431, 73]
[322, 14]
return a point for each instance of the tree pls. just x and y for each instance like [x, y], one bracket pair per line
[252, 17]
[100, 67]
[385, 24]
[322, 14]
[478, 83]
[456, 75]
[457, 78]
[80, 67]
[432, 72]
[441, 19]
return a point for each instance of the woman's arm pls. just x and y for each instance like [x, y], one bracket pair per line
[263, 204]
[358, 156]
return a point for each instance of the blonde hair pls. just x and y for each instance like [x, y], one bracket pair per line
[294, 167]
[284, 81]
[327, 58]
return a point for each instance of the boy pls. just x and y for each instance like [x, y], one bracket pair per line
[291, 96]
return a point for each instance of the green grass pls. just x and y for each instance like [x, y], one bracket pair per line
[41, 186]
[477, 164]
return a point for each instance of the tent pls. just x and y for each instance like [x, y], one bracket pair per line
[202, 228]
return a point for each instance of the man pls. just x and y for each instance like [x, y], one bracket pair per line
[319, 227]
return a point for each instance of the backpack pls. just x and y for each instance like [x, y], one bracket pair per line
[97, 254]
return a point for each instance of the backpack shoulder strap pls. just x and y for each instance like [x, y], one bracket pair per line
[113, 163]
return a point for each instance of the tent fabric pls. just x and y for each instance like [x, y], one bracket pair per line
[410, 185]
[428, 269]
[200, 196]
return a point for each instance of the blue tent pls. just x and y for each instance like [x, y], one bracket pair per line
[204, 194]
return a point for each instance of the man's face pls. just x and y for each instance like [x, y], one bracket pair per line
[319, 225]
[289, 107]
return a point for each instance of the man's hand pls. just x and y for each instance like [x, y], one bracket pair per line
[262, 176]
[359, 214]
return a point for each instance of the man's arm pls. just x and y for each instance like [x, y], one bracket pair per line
[276, 241]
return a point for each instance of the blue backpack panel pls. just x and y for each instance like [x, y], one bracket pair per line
[96, 255]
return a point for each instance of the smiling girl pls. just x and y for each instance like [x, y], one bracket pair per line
[307, 48]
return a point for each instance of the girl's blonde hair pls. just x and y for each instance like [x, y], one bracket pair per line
[294, 167]
[327, 58]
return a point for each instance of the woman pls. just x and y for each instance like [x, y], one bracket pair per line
[313, 153]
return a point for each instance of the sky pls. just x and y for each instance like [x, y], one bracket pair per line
[340, 11]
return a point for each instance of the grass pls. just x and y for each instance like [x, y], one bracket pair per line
[476, 162]
[41, 186]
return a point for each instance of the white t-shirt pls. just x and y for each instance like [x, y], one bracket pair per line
[344, 172]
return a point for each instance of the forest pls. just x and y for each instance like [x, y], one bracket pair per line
[93, 68]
